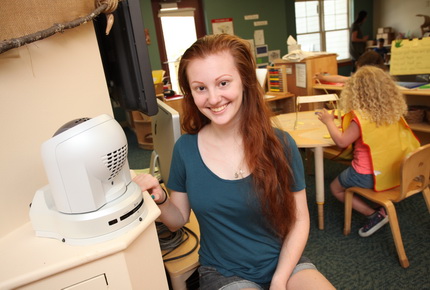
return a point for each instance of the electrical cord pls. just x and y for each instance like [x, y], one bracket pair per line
[170, 241]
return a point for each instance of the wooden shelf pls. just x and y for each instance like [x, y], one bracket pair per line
[408, 92]
[277, 96]
[416, 92]
[280, 103]
[328, 87]
[421, 127]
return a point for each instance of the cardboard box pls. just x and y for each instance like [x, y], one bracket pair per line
[370, 43]
[159, 88]
[388, 37]
[385, 30]
[157, 76]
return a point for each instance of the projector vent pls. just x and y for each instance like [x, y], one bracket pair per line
[70, 125]
[115, 160]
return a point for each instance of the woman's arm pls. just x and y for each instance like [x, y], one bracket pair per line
[175, 211]
[342, 139]
[294, 243]
[354, 37]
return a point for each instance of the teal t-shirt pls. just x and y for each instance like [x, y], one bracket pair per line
[235, 239]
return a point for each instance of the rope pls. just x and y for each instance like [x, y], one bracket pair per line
[102, 6]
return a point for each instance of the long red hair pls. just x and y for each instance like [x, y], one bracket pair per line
[264, 153]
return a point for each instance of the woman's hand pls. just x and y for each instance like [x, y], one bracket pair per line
[278, 285]
[149, 183]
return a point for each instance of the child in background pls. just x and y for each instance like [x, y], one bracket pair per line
[374, 124]
[382, 50]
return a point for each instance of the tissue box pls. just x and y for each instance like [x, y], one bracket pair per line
[293, 47]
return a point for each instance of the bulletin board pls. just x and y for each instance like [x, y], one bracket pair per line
[410, 57]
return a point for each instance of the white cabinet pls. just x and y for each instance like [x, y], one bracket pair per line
[131, 261]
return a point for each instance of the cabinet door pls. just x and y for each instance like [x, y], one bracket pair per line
[98, 282]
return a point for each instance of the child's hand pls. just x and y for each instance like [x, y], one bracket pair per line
[324, 116]
[320, 76]
[149, 183]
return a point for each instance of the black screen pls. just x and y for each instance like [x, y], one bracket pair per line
[125, 59]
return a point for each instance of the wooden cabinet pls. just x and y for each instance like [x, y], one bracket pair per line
[300, 74]
[141, 124]
[280, 103]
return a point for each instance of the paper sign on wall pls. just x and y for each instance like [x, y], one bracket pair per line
[410, 57]
[301, 75]
[223, 25]
[259, 37]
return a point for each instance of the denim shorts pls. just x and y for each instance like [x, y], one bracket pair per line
[210, 279]
[349, 178]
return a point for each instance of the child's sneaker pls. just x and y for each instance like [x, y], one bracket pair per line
[374, 223]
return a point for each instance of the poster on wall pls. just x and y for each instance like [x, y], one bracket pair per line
[222, 25]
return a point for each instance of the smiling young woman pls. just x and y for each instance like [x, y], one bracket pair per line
[243, 179]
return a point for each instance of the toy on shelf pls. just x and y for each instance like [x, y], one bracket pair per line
[277, 80]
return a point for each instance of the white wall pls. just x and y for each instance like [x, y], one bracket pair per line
[42, 86]
[400, 15]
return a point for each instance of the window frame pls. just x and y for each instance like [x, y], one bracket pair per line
[322, 31]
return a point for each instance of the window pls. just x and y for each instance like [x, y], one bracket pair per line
[176, 43]
[322, 25]
[185, 16]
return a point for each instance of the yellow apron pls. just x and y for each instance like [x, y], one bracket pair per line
[388, 146]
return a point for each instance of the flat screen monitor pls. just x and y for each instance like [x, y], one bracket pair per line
[166, 129]
[125, 58]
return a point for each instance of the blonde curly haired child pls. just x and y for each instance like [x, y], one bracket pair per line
[373, 129]
[374, 93]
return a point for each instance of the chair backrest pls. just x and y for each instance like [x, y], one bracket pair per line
[415, 172]
[316, 99]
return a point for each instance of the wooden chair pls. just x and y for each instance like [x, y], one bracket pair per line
[415, 178]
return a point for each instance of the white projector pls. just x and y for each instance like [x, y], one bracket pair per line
[90, 196]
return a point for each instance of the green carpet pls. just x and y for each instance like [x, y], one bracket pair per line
[352, 262]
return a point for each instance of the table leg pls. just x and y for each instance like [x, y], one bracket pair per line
[319, 184]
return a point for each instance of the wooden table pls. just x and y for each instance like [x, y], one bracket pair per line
[310, 133]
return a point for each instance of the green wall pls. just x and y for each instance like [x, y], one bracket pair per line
[278, 13]
[275, 32]
[148, 21]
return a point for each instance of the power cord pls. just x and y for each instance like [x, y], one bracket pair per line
[170, 241]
